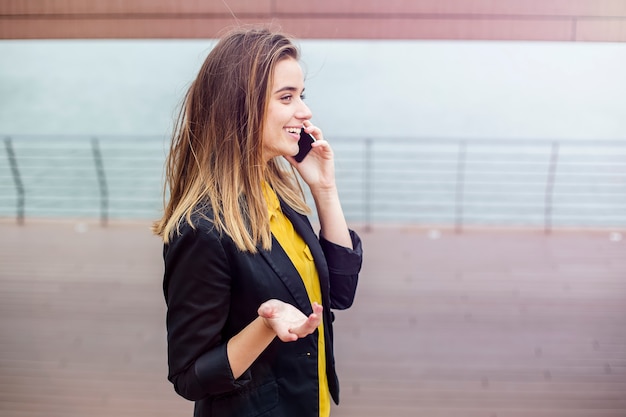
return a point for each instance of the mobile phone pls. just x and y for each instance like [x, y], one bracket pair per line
[304, 145]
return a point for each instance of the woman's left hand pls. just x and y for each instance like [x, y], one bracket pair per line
[289, 323]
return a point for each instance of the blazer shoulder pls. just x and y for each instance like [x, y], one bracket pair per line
[201, 221]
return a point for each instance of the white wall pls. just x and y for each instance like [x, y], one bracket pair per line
[355, 88]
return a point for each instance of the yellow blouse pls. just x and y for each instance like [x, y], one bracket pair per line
[302, 259]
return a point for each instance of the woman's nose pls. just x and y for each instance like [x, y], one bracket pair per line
[304, 113]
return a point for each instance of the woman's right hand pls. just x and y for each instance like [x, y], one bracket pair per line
[287, 321]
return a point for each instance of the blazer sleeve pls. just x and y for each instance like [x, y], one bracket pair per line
[196, 286]
[344, 265]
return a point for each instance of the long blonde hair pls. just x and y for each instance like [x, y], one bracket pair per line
[216, 157]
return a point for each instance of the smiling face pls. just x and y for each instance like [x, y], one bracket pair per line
[286, 110]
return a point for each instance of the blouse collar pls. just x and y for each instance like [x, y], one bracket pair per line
[271, 199]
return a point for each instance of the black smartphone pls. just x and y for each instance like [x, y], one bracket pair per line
[304, 145]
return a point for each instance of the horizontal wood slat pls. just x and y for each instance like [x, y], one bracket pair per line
[149, 7]
[276, 8]
[301, 28]
[550, 8]
[510, 323]
[533, 20]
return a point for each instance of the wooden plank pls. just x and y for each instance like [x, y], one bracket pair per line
[147, 7]
[331, 28]
[278, 8]
[461, 8]
[127, 28]
[431, 28]
[487, 323]
[601, 30]
[532, 20]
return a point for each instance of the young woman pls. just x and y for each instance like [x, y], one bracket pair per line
[249, 286]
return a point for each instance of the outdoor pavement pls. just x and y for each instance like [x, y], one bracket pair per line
[488, 323]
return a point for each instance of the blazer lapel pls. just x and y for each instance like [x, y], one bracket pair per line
[303, 228]
[283, 267]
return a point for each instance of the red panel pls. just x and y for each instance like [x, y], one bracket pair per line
[553, 30]
[601, 30]
[580, 8]
[349, 19]
[116, 28]
[458, 7]
[151, 7]
[548, 30]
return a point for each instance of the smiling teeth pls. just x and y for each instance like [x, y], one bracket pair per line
[293, 130]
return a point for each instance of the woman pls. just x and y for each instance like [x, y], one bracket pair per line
[248, 284]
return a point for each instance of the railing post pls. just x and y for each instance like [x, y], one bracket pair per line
[554, 157]
[367, 184]
[19, 186]
[460, 185]
[104, 194]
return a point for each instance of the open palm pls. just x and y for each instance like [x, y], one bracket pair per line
[287, 321]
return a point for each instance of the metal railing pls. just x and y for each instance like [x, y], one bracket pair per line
[443, 182]
[97, 177]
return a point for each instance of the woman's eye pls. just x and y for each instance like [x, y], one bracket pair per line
[289, 97]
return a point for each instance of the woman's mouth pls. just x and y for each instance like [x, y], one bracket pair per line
[294, 131]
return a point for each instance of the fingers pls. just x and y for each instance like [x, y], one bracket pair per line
[312, 322]
[317, 308]
[320, 142]
[313, 130]
[288, 322]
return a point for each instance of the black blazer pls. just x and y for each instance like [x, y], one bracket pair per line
[213, 290]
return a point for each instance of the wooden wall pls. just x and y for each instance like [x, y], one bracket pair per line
[537, 20]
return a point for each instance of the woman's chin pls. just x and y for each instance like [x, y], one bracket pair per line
[294, 151]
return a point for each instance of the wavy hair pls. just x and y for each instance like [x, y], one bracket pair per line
[216, 158]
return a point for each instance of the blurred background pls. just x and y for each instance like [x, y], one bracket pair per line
[481, 152]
